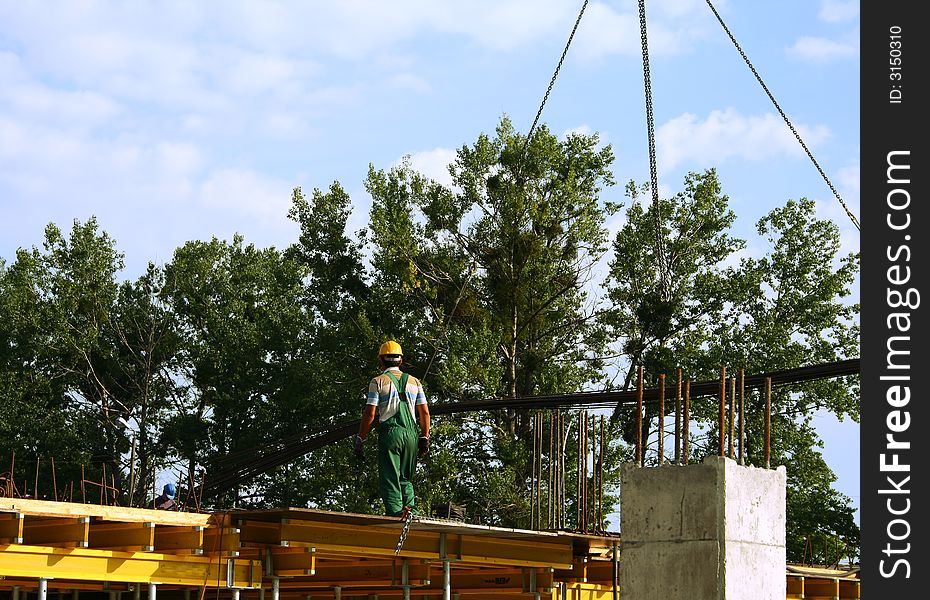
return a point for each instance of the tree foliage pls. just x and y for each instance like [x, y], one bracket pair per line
[491, 286]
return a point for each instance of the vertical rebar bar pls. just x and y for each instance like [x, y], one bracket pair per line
[600, 479]
[35, 491]
[678, 417]
[578, 476]
[10, 482]
[640, 455]
[768, 422]
[54, 480]
[721, 416]
[730, 444]
[550, 475]
[533, 479]
[83, 495]
[661, 427]
[686, 418]
[742, 414]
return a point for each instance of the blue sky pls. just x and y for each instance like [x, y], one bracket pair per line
[172, 121]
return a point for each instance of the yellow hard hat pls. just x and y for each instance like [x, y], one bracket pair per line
[390, 347]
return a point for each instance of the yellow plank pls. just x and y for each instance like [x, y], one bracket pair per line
[170, 538]
[108, 513]
[127, 567]
[11, 528]
[65, 533]
[122, 535]
[381, 542]
[291, 562]
[225, 540]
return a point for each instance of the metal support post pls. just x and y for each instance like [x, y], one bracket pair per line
[446, 576]
[153, 591]
[43, 589]
[405, 578]
[275, 588]
[15, 592]
[337, 593]
[75, 594]
[235, 593]
[137, 592]
[261, 593]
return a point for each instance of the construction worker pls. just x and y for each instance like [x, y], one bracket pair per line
[398, 401]
[166, 500]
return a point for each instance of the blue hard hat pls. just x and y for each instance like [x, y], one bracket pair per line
[170, 490]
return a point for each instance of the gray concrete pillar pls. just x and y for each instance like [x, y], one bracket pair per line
[714, 531]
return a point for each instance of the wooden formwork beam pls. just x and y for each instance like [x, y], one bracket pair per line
[128, 537]
[373, 542]
[128, 567]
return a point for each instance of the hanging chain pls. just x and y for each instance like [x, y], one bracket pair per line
[408, 519]
[554, 76]
[851, 216]
[653, 171]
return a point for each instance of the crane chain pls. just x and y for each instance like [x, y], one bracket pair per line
[408, 519]
[797, 135]
[554, 76]
[653, 171]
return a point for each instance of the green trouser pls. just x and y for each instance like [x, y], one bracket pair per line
[397, 455]
[397, 462]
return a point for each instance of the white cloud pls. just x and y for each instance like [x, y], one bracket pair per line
[410, 81]
[728, 134]
[247, 193]
[823, 50]
[833, 11]
[434, 164]
[674, 26]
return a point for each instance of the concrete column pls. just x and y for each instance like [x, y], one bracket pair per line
[713, 531]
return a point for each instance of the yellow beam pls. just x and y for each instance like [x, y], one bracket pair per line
[293, 562]
[376, 574]
[189, 539]
[123, 536]
[49, 508]
[67, 533]
[222, 540]
[127, 567]
[11, 528]
[381, 542]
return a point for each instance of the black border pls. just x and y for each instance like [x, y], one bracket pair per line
[887, 126]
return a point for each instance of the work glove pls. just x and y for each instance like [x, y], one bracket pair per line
[422, 446]
[358, 447]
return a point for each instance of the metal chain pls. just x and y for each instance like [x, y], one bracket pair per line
[653, 171]
[554, 76]
[851, 216]
[408, 519]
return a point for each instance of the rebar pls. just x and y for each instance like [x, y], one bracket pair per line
[54, 480]
[686, 419]
[742, 414]
[768, 422]
[661, 428]
[242, 465]
[640, 459]
[730, 449]
[678, 417]
[721, 416]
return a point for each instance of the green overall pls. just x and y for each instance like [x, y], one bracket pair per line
[397, 453]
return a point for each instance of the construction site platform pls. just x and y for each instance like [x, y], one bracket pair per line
[91, 550]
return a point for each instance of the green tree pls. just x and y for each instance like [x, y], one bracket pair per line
[486, 283]
[781, 311]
